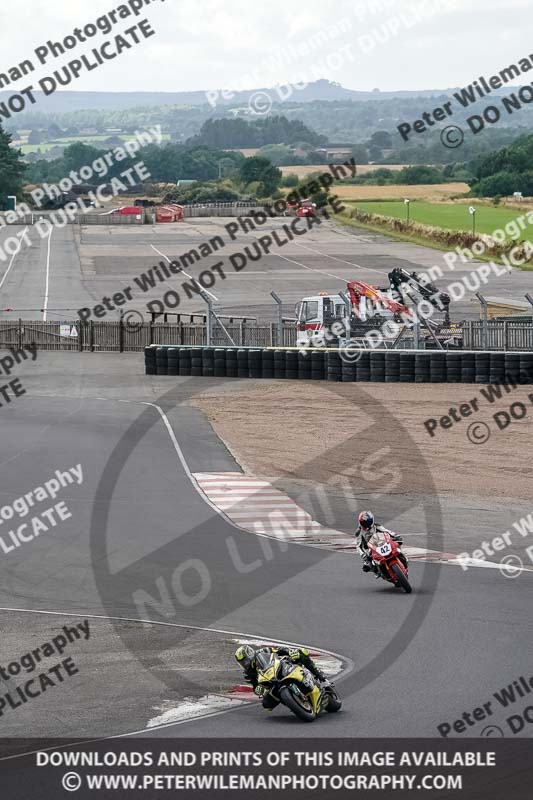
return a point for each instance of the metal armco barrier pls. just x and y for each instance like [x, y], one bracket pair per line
[383, 366]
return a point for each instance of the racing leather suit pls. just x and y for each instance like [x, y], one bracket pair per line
[361, 542]
[298, 655]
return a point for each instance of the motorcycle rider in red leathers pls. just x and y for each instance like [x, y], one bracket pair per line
[366, 529]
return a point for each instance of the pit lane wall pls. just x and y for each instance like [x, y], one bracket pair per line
[377, 366]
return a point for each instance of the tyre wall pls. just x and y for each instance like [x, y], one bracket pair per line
[383, 366]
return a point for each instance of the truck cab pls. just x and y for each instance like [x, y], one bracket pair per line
[315, 316]
[323, 319]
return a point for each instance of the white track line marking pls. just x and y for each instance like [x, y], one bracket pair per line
[185, 273]
[335, 258]
[15, 254]
[418, 553]
[47, 281]
[311, 269]
[347, 662]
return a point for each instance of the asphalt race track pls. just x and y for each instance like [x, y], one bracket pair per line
[470, 630]
[76, 268]
[143, 544]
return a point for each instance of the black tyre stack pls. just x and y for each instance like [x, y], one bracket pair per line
[497, 368]
[232, 363]
[512, 368]
[317, 365]
[279, 363]
[482, 368]
[267, 363]
[333, 365]
[437, 367]
[184, 360]
[149, 361]
[196, 361]
[423, 368]
[242, 363]
[161, 361]
[208, 362]
[255, 364]
[173, 361]
[304, 364]
[377, 367]
[291, 364]
[526, 368]
[392, 366]
[348, 366]
[362, 368]
[407, 367]
[453, 367]
[220, 362]
[468, 367]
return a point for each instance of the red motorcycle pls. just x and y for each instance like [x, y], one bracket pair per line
[389, 561]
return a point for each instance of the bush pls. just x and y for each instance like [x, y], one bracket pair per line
[418, 175]
[289, 181]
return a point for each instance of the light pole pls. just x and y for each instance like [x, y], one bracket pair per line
[473, 213]
[408, 205]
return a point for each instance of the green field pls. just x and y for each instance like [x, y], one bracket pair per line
[95, 141]
[451, 216]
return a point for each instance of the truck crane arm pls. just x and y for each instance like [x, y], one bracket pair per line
[405, 284]
[358, 289]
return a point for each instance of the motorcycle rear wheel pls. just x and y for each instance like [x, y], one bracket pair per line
[289, 700]
[399, 574]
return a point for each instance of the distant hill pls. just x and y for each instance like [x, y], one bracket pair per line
[62, 102]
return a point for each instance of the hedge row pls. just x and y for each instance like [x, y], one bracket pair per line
[384, 366]
[448, 238]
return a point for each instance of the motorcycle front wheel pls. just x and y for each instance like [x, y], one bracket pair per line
[302, 711]
[334, 704]
[399, 574]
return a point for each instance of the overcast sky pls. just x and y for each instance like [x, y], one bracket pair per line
[227, 44]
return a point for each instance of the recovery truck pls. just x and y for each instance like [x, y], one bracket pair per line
[402, 312]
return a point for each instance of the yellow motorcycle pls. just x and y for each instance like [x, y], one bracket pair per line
[295, 687]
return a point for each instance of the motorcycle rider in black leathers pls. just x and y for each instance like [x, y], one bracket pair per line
[246, 654]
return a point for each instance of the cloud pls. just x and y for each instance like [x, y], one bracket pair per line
[214, 44]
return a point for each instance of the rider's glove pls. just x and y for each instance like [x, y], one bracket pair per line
[259, 690]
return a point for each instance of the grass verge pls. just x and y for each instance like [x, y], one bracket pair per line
[424, 240]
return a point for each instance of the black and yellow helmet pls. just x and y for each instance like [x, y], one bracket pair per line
[245, 655]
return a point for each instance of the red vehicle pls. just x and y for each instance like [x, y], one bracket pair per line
[130, 211]
[389, 560]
